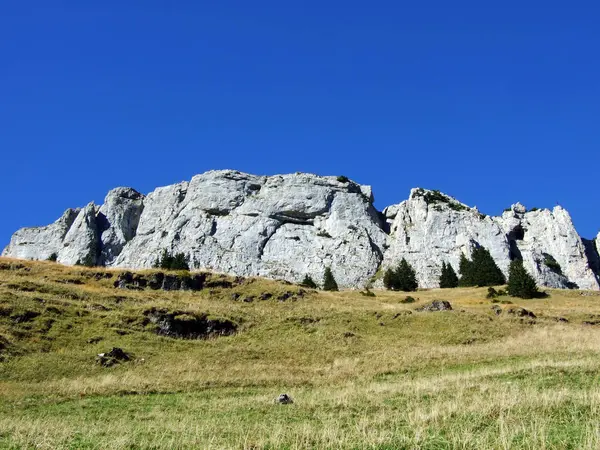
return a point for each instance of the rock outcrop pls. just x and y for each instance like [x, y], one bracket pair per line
[284, 226]
[290, 226]
[431, 228]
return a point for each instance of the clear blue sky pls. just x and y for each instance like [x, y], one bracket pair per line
[491, 104]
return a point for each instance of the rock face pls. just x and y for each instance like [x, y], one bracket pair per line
[279, 227]
[431, 228]
[289, 226]
[551, 249]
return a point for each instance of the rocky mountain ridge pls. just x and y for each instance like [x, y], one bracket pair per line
[289, 226]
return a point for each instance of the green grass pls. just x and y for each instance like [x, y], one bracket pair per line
[364, 372]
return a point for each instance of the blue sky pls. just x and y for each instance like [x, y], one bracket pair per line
[491, 104]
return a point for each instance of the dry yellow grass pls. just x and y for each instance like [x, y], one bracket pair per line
[365, 372]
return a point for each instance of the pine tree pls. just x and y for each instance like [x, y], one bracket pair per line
[179, 262]
[448, 278]
[520, 283]
[308, 282]
[403, 278]
[390, 279]
[486, 271]
[406, 277]
[329, 283]
[465, 268]
[482, 270]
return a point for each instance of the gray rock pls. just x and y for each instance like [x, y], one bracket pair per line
[41, 242]
[82, 242]
[119, 218]
[284, 399]
[436, 305]
[536, 234]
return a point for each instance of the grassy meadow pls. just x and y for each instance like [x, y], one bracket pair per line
[364, 372]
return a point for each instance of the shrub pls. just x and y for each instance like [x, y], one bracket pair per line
[308, 282]
[329, 283]
[552, 264]
[492, 293]
[408, 299]
[343, 179]
[448, 278]
[482, 270]
[367, 293]
[53, 257]
[403, 278]
[520, 283]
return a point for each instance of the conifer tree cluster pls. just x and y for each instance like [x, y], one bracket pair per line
[520, 283]
[482, 270]
[402, 278]
[448, 278]
[172, 262]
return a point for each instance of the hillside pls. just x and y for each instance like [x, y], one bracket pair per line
[364, 372]
[293, 225]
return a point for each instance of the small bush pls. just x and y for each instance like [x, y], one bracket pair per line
[408, 299]
[53, 257]
[492, 293]
[367, 293]
[552, 264]
[343, 179]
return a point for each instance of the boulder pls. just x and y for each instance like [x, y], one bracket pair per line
[284, 399]
[436, 305]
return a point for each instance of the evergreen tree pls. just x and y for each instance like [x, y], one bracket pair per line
[179, 262]
[486, 271]
[520, 283]
[329, 283]
[308, 282]
[390, 280]
[448, 278]
[465, 268]
[482, 270]
[407, 279]
[403, 278]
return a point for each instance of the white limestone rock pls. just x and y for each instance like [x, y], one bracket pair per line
[118, 221]
[81, 243]
[542, 235]
[284, 226]
[41, 242]
[431, 228]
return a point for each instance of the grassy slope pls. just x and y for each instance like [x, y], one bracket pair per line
[363, 372]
